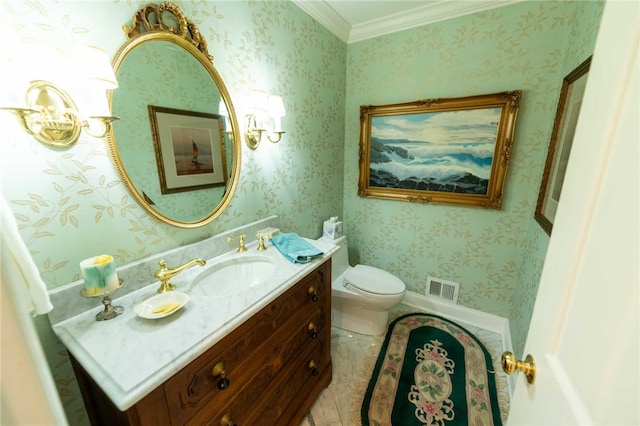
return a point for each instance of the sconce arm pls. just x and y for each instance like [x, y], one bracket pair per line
[105, 122]
[275, 139]
[21, 114]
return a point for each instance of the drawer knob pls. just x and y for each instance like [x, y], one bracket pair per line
[313, 330]
[313, 293]
[218, 370]
[226, 420]
[313, 368]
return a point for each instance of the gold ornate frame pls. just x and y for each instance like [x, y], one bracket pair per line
[167, 23]
[433, 150]
[560, 144]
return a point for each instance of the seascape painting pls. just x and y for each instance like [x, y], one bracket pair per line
[448, 151]
[438, 150]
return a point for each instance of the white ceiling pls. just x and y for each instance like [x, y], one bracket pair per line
[356, 20]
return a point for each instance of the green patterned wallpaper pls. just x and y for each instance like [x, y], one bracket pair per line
[581, 41]
[71, 204]
[58, 195]
[496, 256]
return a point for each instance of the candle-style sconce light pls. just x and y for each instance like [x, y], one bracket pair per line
[49, 112]
[263, 109]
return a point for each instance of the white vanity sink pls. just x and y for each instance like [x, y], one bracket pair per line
[233, 275]
[130, 356]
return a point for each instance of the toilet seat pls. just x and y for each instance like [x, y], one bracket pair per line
[369, 279]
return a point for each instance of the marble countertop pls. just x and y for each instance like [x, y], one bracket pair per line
[129, 356]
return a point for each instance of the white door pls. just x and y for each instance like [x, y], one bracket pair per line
[584, 334]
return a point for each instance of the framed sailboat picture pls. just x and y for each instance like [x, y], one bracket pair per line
[447, 151]
[190, 149]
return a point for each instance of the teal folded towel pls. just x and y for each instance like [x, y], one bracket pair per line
[295, 248]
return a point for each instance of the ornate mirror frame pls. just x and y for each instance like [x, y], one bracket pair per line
[166, 22]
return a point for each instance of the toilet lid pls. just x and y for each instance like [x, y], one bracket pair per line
[374, 280]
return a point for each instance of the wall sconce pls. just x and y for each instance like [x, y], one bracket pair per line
[261, 108]
[52, 116]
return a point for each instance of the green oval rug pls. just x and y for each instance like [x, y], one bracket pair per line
[431, 371]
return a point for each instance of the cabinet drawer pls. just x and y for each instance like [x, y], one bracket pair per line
[263, 406]
[281, 351]
[306, 367]
[273, 357]
[252, 354]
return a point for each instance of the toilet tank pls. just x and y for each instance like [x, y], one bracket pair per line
[339, 259]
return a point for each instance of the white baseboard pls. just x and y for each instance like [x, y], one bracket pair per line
[462, 314]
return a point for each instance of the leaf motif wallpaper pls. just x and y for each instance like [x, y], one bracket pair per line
[70, 204]
[496, 256]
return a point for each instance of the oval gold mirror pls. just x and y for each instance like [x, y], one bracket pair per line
[174, 145]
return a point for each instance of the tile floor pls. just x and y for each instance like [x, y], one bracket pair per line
[353, 356]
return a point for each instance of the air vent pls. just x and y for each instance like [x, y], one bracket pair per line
[447, 291]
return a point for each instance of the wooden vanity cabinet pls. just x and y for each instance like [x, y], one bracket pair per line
[267, 371]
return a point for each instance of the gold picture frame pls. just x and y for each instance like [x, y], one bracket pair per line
[190, 149]
[445, 151]
[564, 126]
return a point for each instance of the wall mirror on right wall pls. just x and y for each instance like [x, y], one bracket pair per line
[176, 145]
[564, 127]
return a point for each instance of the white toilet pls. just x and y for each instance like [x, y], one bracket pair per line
[361, 295]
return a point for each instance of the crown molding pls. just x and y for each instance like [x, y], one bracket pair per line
[326, 16]
[434, 11]
[423, 15]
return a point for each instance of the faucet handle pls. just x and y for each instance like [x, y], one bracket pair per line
[261, 236]
[241, 246]
[261, 246]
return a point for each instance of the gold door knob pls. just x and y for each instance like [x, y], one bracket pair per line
[528, 367]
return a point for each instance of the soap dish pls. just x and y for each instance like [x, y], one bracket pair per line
[161, 305]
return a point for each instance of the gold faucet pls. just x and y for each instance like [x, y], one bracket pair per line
[164, 274]
[241, 246]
